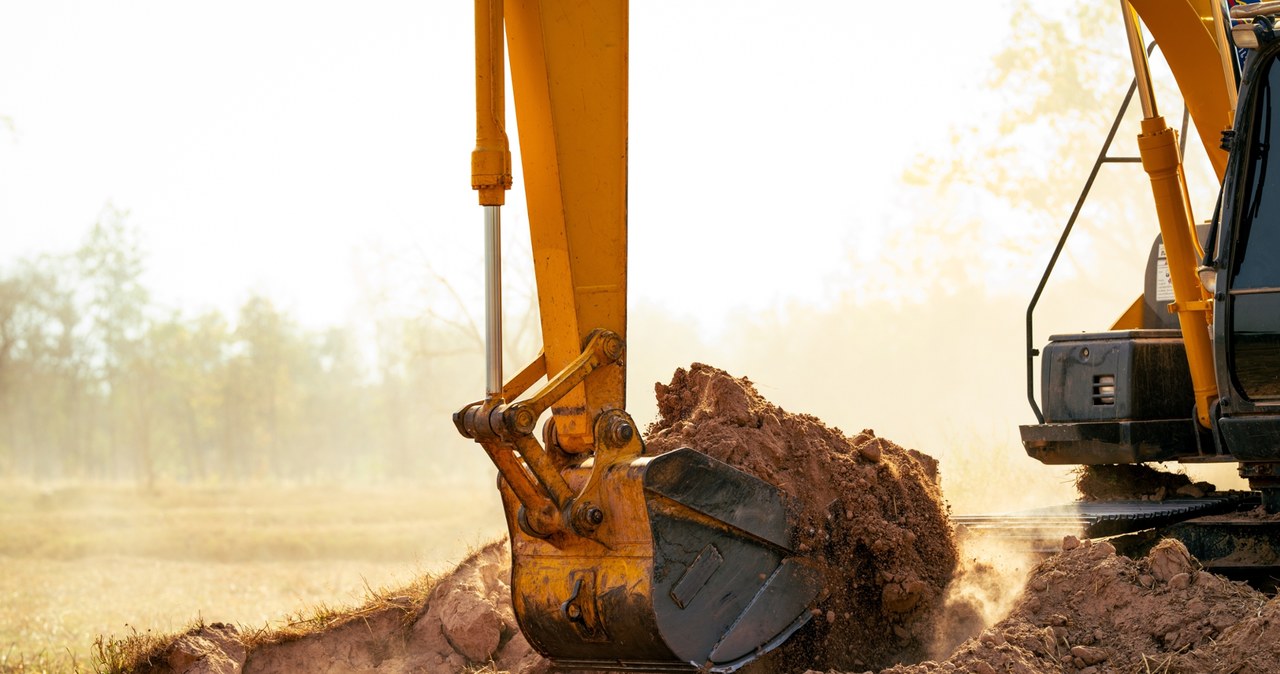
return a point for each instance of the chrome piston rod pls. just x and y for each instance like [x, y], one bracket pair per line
[492, 302]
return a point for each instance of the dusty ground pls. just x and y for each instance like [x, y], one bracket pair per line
[459, 622]
[81, 561]
[1084, 610]
[1089, 610]
[898, 589]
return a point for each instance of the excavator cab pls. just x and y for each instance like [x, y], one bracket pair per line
[620, 560]
[1245, 278]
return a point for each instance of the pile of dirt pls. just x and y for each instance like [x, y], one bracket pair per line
[465, 622]
[1086, 610]
[1136, 481]
[876, 522]
[1090, 610]
[873, 515]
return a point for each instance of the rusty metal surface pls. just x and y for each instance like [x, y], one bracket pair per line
[694, 568]
[1095, 519]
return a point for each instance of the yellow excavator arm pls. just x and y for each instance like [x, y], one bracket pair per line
[619, 560]
[1192, 36]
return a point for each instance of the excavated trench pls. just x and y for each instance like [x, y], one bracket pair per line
[876, 522]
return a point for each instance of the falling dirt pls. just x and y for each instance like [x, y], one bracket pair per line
[1136, 481]
[895, 592]
[874, 514]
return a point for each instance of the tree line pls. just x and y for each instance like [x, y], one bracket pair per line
[97, 382]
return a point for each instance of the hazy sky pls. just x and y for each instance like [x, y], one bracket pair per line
[304, 149]
[286, 147]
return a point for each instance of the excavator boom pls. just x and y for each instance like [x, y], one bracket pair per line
[620, 560]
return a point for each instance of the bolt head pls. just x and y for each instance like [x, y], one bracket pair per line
[523, 420]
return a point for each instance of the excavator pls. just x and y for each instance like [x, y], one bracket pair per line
[1190, 372]
[678, 562]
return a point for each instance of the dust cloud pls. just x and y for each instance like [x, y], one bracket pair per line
[924, 375]
[988, 581]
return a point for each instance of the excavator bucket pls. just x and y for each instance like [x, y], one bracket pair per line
[694, 569]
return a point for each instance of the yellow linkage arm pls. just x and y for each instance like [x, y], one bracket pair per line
[1158, 147]
[569, 81]
[569, 75]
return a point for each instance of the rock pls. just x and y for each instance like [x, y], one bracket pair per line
[1180, 581]
[1089, 655]
[212, 649]
[472, 624]
[900, 598]
[1102, 550]
[1168, 559]
[1070, 543]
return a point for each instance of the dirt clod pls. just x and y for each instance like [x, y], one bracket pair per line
[1169, 559]
[470, 620]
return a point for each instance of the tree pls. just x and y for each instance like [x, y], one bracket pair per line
[983, 215]
[115, 301]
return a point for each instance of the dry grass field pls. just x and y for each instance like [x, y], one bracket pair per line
[77, 562]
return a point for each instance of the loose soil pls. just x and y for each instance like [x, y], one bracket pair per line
[877, 523]
[1090, 610]
[461, 622]
[873, 514]
[1136, 481]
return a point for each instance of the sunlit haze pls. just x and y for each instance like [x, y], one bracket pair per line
[241, 301]
[318, 154]
[276, 148]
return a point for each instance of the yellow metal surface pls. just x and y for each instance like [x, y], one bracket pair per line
[1186, 34]
[491, 160]
[561, 580]
[1158, 146]
[1131, 319]
[1183, 29]
[569, 82]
